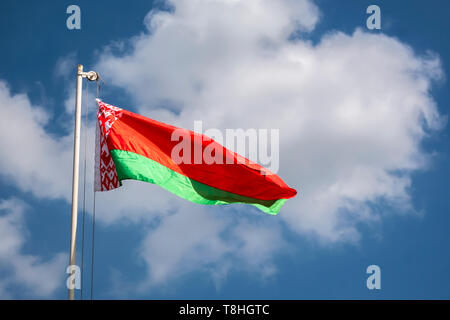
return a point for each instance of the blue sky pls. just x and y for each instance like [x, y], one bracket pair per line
[304, 256]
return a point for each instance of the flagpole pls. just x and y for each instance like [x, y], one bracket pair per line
[92, 76]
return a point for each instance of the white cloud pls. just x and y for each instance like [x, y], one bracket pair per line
[66, 66]
[33, 159]
[352, 111]
[41, 163]
[194, 238]
[39, 278]
[183, 242]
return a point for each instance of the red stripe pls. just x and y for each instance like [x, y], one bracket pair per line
[152, 139]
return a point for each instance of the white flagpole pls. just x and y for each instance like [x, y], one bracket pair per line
[92, 76]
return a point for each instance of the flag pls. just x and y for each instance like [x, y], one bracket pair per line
[130, 146]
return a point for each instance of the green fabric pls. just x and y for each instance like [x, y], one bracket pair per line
[130, 165]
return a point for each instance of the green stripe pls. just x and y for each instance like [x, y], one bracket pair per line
[130, 165]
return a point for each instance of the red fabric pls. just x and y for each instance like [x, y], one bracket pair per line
[152, 139]
[106, 175]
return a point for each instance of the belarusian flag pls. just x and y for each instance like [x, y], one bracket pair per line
[130, 146]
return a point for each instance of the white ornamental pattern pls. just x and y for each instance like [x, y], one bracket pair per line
[105, 171]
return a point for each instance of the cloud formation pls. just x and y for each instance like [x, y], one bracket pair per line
[352, 109]
[34, 160]
[39, 278]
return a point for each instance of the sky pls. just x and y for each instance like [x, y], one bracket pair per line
[363, 127]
